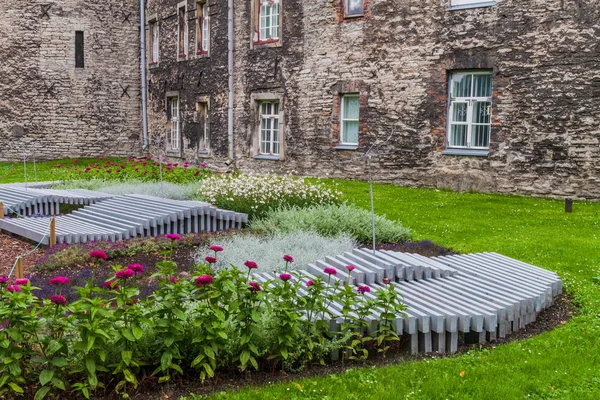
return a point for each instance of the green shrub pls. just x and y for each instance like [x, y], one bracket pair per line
[333, 220]
[257, 195]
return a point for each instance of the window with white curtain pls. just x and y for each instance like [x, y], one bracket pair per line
[202, 28]
[470, 109]
[269, 127]
[153, 42]
[349, 118]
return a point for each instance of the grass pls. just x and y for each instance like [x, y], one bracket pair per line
[12, 172]
[559, 364]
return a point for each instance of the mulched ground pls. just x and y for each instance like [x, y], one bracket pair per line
[11, 247]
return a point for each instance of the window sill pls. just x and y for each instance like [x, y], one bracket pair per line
[346, 147]
[474, 5]
[466, 152]
[267, 43]
[266, 157]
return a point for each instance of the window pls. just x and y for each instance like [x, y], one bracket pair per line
[268, 20]
[182, 42]
[79, 56]
[173, 117]
[153, 42]
[471, 3]
[269, 127]
[354, 8]
[202, 28]
[349, 118]
[203, 129]
[470, 109]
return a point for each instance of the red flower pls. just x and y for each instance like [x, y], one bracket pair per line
[99, 254]
[330, 271]
[174, 279]
[58, 299]
[203, 280]
[285, 277]
[124, 274]
[21, 282]
[59, 280]
[362, 289]
[13, 288]
[251, 264]
[137, 268]
[173, 236]
[350, 267]
[288, 258]
[111, 285]
[215, 248]
[4, 279]
[255, 287]
[210, 260]
[309, 283]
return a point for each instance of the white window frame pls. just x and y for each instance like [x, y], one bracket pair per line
[183, 5]
[175, 132]
[274, 133]
[469, 100]
[203, 28]
[343, 99]
[267, 10]
[154, 40]
[462, 4]
[347, 10]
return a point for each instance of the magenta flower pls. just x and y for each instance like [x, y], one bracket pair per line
[173, 236]
[59, 280]
[362, 289]
[203, 165]
[288, 258]
[350, 267]
[124, 274]
[174, 279]
[21, 281]
[251, 264]
[309, 283]
[58, 299]
[255, 287]
[285, 277]
[386, 281]
[210, 259]
[4, 279]
[98, 254]
[114, 285]
[215, 248]
[204, 280]
[13, 288]
[330, 271]
[137, 268]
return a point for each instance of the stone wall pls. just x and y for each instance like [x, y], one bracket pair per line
[49, 107]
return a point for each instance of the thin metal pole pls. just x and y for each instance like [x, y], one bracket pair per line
[162, 193]
[372, 202]
[143, 73]
[25, 169]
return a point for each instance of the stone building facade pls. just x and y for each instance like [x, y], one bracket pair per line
[52, 107]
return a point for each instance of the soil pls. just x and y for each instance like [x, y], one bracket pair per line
[10, 247]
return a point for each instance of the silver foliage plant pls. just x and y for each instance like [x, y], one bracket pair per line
[169, 190]
[268, 250]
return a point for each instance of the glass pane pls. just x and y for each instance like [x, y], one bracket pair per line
[481, 135]
[350, 129]
[351, 107]
[355, 7]
[459, 112]
[481, 112]
[461, 85]
[275, 108]
[458, 135]
[482, 85]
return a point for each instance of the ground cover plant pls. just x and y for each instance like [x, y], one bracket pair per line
[169, 190]
[257, 195]
[561, 364]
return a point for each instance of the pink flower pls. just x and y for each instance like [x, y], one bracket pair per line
[13, 288]
[58, 165]
[386, 281]
[124, 274]
[350, 267]
[21, 282]
[251, 264]
[330, 271]
[285, 277]
[215, 248]
[309, 283]
[4, 279]
[59, 280]
[58, 299]
[210, 259]
[108, 171]
[362, 289]
[173, 236]
[99, 254]
[111, 285]
[255, 287]
[288, 258]
[137, 268]
[174, 279]
[204, 280]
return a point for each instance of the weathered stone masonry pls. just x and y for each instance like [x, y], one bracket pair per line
[51, 108]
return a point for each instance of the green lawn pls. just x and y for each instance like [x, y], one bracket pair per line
[561, 364]
[11, 172]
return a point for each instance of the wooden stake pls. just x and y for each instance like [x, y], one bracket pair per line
[52, 232]
[19, 270]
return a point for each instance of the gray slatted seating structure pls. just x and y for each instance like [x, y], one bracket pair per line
[472, 297]
[29, 201]
[123, 217]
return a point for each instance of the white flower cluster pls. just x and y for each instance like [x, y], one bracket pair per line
[270, 190]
